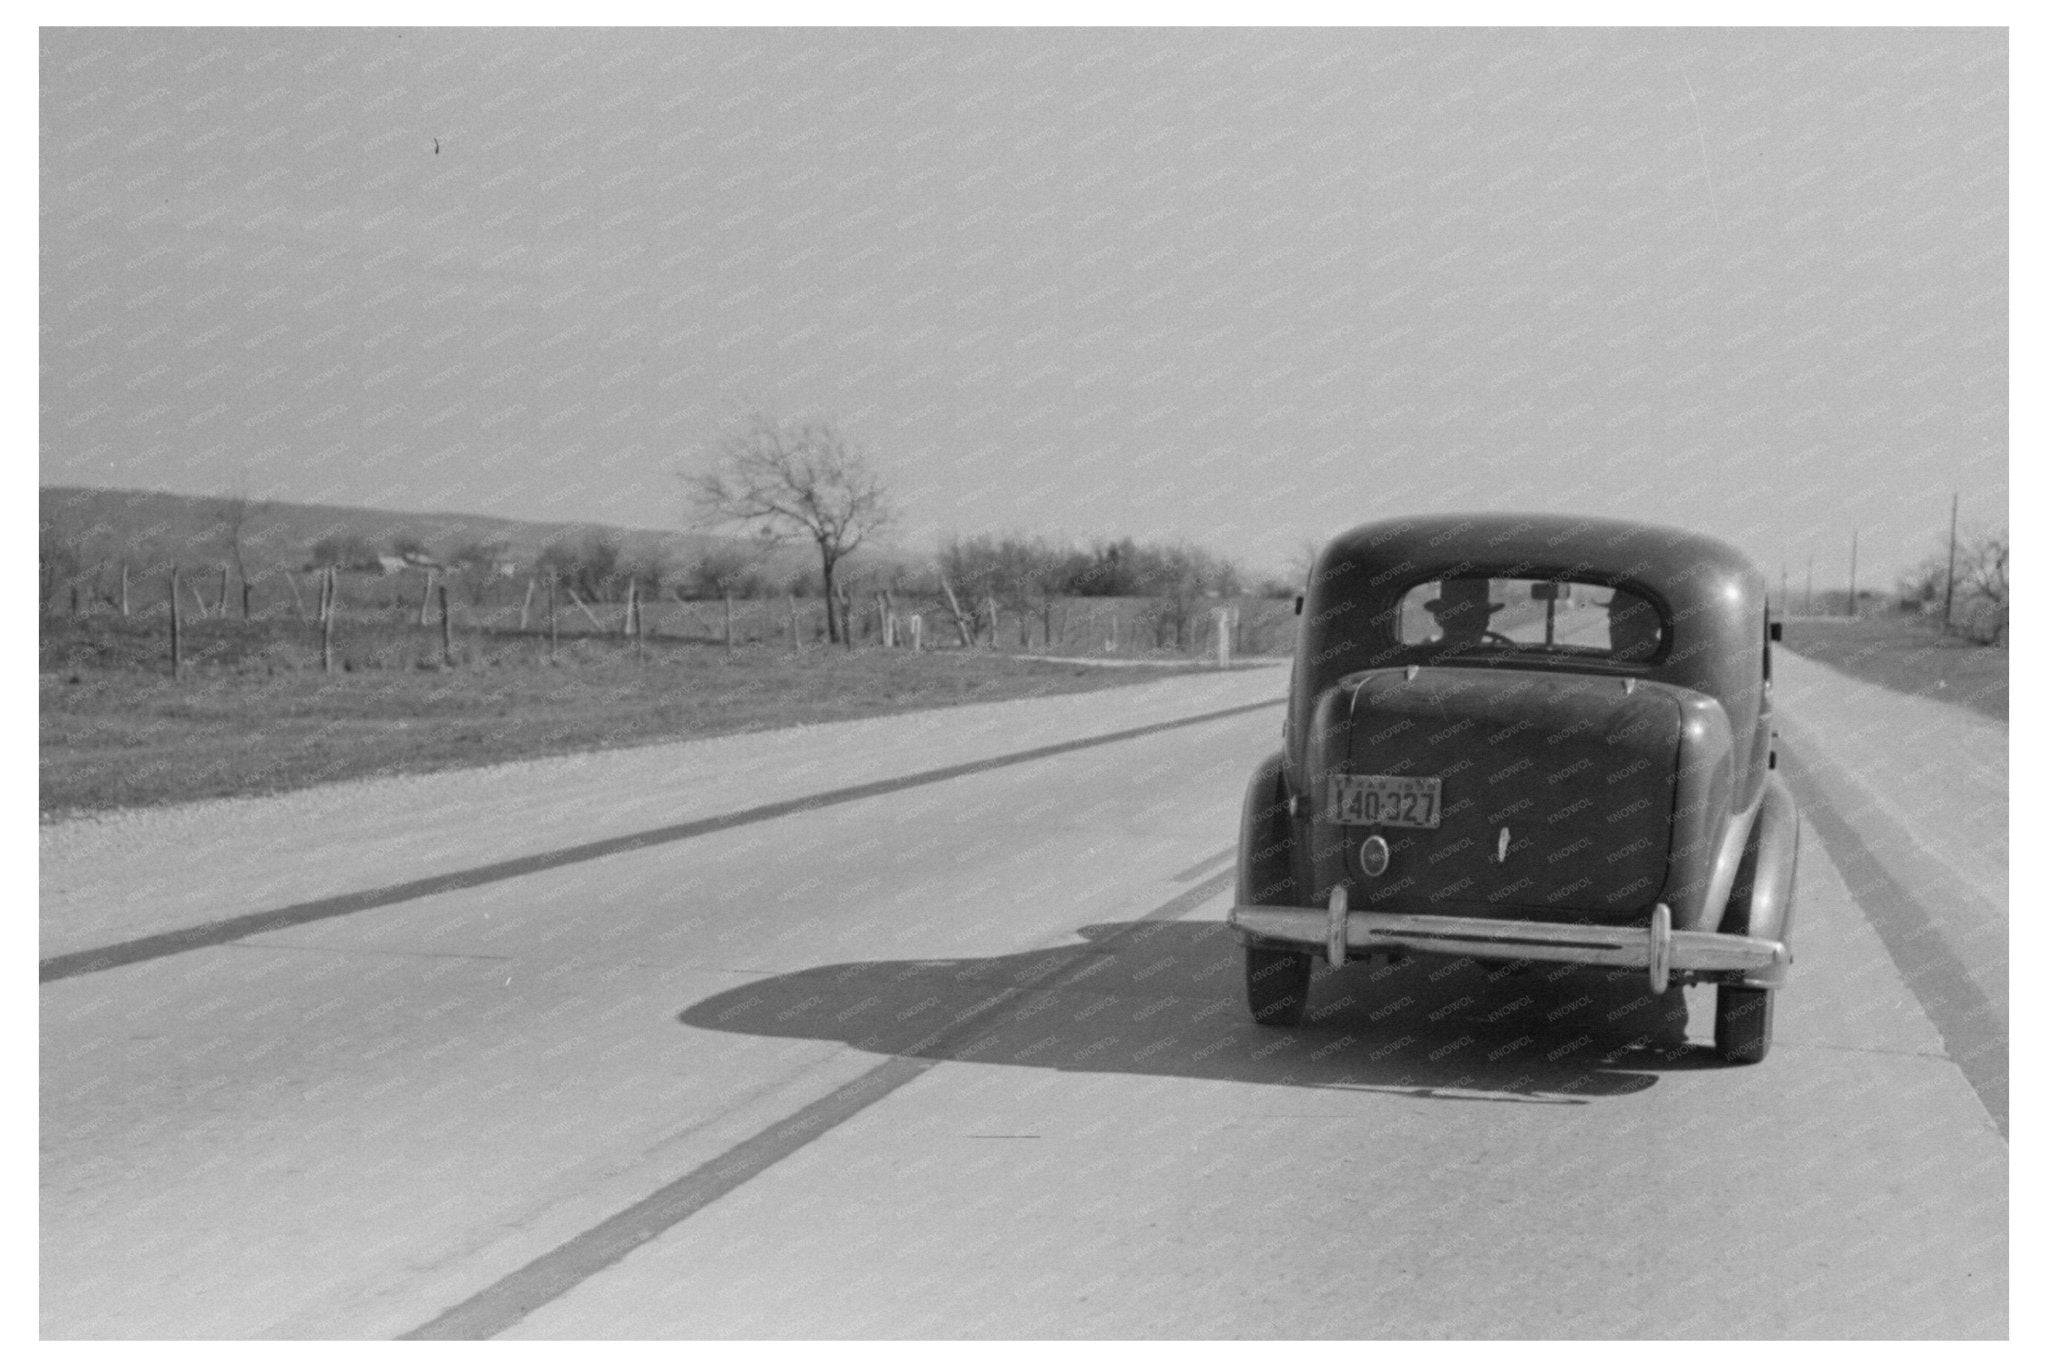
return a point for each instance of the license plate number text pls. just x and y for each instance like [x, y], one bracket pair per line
[1384, 800]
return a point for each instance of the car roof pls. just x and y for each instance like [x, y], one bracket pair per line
[1532, 545]
[1710, 596]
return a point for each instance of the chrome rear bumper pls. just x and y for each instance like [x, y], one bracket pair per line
[1658, 949]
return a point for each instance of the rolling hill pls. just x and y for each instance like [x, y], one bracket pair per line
[152, 530]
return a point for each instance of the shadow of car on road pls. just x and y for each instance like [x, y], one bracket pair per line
[1167, 998]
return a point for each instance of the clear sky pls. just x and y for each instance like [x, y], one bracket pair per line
[1244, 287]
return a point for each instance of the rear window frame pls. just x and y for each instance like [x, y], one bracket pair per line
[1495, 655]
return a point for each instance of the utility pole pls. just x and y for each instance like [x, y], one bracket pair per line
[1948, 592]
[1852, 571]
[329, 592]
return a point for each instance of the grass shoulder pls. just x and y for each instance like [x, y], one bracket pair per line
[117, 731]
[1908, 654]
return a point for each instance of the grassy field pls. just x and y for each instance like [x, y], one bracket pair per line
[251, 717]
[1909, 655]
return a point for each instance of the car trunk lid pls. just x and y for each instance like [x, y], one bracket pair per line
[1556, 792]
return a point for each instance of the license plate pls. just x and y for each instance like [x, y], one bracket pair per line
[1385, 800]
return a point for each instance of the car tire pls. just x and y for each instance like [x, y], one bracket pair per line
[1742, 1022]
[1276, 984]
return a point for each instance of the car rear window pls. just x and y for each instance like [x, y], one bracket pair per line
[1525, 616]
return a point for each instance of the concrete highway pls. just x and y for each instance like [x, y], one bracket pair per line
[650, 1044]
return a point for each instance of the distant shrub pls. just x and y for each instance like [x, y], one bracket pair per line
[343, 552]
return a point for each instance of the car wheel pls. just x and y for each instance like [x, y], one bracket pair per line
[1276, 984]
[1742, 1022]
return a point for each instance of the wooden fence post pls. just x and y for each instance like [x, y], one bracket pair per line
[959, 617]
[795, 647]
[1223, 638]
[426, 596]
[291, 581]
[177, 664]
[221, 605]
[916, 633]
[527, 606]
[245, 600]
[992, 642]
[124, 588]
[331, 590]
[447, 631]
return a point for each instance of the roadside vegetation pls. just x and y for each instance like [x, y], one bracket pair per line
[1968, 588]
[118, 731]
[310, 649]
[1909, 653]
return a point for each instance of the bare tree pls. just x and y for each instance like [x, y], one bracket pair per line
[1979, 602]
[1983, 587]
[236, 516]
[1020, 574]
[791, 479]
[479, 565]
[1303, 563]
[727, 570]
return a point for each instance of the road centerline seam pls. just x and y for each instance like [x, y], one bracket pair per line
[562, 1269]
[212, 934]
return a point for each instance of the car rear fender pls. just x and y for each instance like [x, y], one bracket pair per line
[1761, 902]
[1265, 840]
[1707, 832]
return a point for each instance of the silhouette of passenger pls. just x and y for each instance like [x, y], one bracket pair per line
[1633, 630]
[1463, 611]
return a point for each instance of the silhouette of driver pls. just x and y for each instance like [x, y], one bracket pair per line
[1462, 611]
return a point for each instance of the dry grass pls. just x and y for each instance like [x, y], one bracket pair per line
[250, 717]
[1909, 655]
